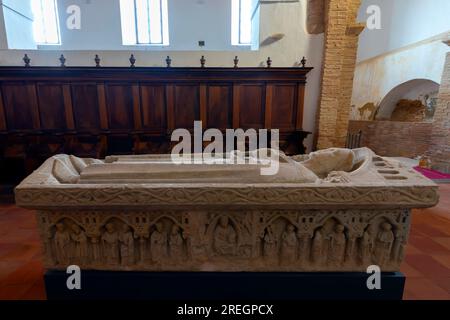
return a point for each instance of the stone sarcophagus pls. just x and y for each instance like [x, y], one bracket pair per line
[332, 210]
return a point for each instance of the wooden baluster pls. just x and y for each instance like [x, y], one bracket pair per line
[62, 59]
[97, 61]
[132, 61]
[27, 60]
[202, 61]
[303, 62]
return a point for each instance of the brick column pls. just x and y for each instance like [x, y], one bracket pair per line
[440, 138]
[341, 45]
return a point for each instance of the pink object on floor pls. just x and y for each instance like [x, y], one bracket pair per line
[432, 174]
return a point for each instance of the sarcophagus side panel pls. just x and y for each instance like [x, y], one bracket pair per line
[302, 240]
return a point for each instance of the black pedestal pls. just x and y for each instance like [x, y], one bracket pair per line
[185, 286]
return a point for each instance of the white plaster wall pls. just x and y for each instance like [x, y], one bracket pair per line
[376, 77]
[286, 18]
[403, 22]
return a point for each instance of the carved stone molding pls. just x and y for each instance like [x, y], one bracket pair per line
[188, 195]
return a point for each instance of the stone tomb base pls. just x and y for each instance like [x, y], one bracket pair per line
[250, 286]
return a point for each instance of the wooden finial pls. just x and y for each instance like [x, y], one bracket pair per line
[97, 61]
[27, 60]
[236, 61]
[62, 59]
[303, 62]
[202, 61]
[132, 61]
[168, 62]
[269, 62]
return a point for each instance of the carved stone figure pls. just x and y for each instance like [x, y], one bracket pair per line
[289, 244]
[304, 246]
[158, 243]
[47, 238]
[366, 247]
[399, 246]
[383, 244]
[176, 243]
[225, 238]
[350, 248]
[324, 162]
[317, 250]
[95, 244]
[62, 244]
[80, 240]
[337, 245]
[110, 241]
[126, 240]
[270, 244]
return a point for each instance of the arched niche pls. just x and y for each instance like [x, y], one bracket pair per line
[416, 89]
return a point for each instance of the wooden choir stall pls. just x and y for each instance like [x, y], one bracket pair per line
[99, 111]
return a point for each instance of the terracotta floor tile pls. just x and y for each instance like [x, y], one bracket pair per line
[410, 249]
[35, 292]
[429, 230]
[443, 242]
[427, 245]
[409, 271]
[425, 289]
[444, 260]
[28, 273]
[444, 283]
[427, 265]
[22, 252]
[14, 292]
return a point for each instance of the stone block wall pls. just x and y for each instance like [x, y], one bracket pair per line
[440, 140]
[394, 138]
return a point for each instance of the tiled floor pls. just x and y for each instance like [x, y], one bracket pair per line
[426, 266]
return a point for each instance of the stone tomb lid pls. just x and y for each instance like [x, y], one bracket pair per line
[327, 178]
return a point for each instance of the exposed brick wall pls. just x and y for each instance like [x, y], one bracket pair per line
[341, 44]
[440, 141]
[393, 138]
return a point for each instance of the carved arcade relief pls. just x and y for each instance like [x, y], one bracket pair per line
[306, 240]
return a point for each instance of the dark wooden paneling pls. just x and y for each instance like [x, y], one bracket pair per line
[85, 107]
[283, 102]
[300, 106]
[20, 103]
[153, 107]
[51, 106]
[251, 106]
[3, 126]
[219, 107]
[68, 107]
[119, 103]
[186, 106]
